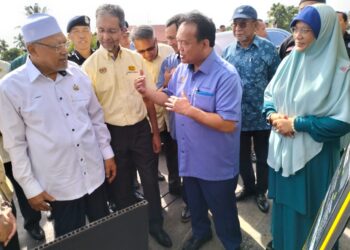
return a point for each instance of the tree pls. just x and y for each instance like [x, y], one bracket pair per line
[3, 46]
[11, 54]
[34, 9]
[19, 41]
[282, 15]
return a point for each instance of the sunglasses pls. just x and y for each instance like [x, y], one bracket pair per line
[148, 49]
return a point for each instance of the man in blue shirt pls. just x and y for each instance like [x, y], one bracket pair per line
[256, 60]
[205, 95]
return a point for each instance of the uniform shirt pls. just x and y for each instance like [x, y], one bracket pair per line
[153, 68]
[170, 62]
[347, 42]
[54, 132]
[256, 66]
[113, 82]
[75, 56]
[204, 152]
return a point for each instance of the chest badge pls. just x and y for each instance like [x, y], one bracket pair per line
[75, 87]
[102, 70]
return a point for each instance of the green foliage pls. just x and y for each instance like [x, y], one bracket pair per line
[281, 15]
[3, 46]
[29, 10]
[11, 54]
[19, 41]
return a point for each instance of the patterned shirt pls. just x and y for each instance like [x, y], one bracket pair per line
[256, 66]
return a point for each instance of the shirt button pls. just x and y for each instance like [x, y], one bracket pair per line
[78, 145]
[183, 151]
[81, 159]
[84, 173]
[61, 98]
[67, 114]
[73, 129]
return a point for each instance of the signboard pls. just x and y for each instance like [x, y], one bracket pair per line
[124, 229]
[335, 209]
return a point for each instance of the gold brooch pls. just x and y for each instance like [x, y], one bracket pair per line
[102, 70]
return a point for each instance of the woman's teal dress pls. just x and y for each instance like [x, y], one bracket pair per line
[297, 198]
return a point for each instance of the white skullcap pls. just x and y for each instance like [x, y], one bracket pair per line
[39, 26]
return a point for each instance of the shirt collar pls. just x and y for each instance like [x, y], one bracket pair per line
[109, 55]
[256, 42]
[33, 72]
[206, 65]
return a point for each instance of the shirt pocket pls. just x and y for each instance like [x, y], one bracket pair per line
[80, 102]
[35, 109]
[205, 100]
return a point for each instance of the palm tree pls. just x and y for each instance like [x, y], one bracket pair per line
[3, 46]
[34, 9]
[19, 41]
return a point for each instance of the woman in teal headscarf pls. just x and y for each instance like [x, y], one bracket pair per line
[308, 104]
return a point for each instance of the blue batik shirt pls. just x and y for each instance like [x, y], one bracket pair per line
[256, 66]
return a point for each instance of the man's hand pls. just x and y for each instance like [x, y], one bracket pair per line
[179, 105]
[110, 169]
[7, 227]
[167, 76]
[140, 84]
[40, 202]
[156, 143]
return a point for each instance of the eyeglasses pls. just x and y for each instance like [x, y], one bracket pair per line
[58, 48]
[302, 31]
[148, 49]
[241, 24]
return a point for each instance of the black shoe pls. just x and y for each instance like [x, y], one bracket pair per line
[269, 246]
[185, 214]
[175, 189]
[161, 237]
[36, 232]
[194, 243]
[243, 194]
[160, 176]
[136, 184]
[139, 197]
[112, 207]
[262, 203]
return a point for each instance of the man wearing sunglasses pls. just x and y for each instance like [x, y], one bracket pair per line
[154, 54]
[256, 61]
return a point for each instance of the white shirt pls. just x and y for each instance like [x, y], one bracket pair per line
[54, 132]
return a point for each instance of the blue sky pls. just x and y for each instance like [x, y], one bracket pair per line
[137, 11]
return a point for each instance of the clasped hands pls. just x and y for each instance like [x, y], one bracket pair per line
[282, 124]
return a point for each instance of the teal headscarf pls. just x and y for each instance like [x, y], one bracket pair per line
[313, 82]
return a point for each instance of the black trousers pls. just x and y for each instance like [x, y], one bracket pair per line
[70, 215]
[30, 216]
[261, 144]
[132, 146]
[170, 151]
